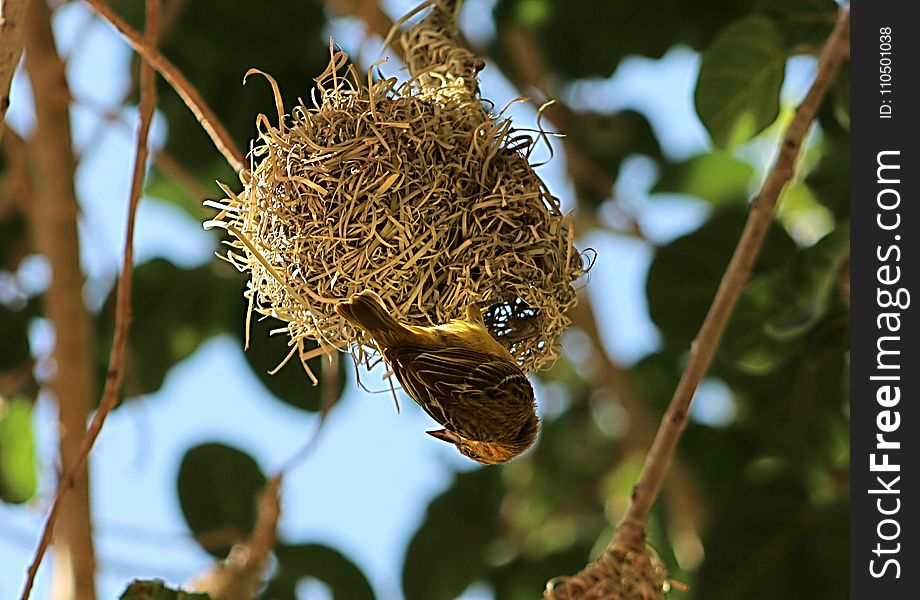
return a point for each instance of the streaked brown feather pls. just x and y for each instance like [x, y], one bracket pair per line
[459, 374]
[477, 395]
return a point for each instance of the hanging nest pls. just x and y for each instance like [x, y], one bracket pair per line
[620, 573]
[412, 190]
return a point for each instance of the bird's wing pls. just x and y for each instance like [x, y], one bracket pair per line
[479, 396]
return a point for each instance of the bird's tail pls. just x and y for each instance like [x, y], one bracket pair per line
[366, 310]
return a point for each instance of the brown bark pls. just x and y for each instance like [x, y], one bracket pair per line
[54, 228]
[736, 277]
[12, 14]
[239, 577]
[596, 580]
[115, 373]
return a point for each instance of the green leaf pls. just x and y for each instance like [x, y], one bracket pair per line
[684, 275]
[718, 177]
[780, 545]
[802, 22]
[174, 310]
[213, 43]
[18, 477]
[828, 179]
[300, 561]
[156, 589]
[746, 345]
[712, 452]
[814, 278]
[290, 384]
[534, 12]
[568, 452]
[806, 219]
[218, 490]
[162, 186]
[797, 410]
[656, 377]
[737, 94]
[585, 38]
[778, 309]
[610, 138]
[446, 554]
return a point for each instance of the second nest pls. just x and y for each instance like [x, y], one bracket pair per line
[415, 192]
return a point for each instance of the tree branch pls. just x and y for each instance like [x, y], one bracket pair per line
[189, 94]
[54, 228]
[239, 577]
[735, 279]
[12, 14]
[164, 161]
[630, 533]
[76, 463]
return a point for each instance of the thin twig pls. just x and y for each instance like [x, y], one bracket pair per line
[189, 94]
[240, 575]
[54, 228]
[734, 280]
[166, 162]
[115, 373]
[629, 538]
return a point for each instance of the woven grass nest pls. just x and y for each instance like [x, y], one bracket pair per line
[617, 574]
[412, 190]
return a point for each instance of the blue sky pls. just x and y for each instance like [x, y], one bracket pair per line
[365, 489]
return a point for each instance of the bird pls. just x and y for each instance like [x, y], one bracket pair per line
[457, 373]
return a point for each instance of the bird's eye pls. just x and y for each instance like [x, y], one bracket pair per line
[468, 452]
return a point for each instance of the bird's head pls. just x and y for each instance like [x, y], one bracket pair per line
[487, 453]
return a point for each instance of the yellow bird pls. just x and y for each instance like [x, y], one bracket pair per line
[459, 374]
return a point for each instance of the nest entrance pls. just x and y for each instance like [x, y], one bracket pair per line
[413, 191]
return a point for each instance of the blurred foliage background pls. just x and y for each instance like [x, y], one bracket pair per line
[756, 506]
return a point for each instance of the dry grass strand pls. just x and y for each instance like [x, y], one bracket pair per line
[411, 190]
[618, 574]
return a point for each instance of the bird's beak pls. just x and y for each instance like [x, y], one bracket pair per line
[444, 435]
